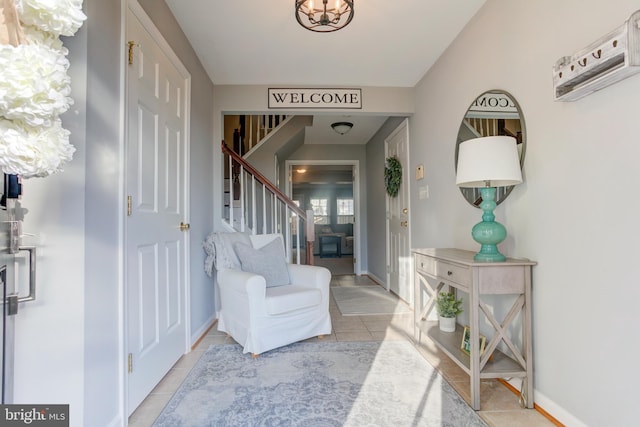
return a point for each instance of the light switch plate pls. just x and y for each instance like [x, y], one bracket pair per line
[423, 192]
[420, 172]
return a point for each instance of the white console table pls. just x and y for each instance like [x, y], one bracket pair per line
[437, 270]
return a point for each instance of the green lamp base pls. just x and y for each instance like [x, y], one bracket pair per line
[488, 232]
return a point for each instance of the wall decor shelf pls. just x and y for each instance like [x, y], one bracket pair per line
[439, 270]
[604, 62]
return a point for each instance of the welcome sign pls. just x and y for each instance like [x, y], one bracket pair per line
[310, 98]
[493, 105]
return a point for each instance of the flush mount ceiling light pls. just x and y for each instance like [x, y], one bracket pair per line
[342, 127]
[324, 19]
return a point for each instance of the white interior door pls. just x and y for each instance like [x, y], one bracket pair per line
[398, 227]
[156, 244]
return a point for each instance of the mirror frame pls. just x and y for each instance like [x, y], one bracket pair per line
[472, 195]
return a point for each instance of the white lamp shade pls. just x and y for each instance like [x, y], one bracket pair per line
[492, 159]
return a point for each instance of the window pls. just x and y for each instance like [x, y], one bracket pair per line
[320, 211]
[345, 211]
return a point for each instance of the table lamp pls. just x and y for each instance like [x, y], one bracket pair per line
[487, 163]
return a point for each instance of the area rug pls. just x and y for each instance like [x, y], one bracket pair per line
[363, 300]
[316, 384]
[337, 266]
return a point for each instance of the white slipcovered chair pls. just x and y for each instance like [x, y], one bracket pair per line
[266, 302]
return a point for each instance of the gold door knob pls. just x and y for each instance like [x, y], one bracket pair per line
[184, 227]
[403, 223]
[405, 211]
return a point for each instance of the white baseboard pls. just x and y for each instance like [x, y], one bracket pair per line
[376, 279]
[116, 422]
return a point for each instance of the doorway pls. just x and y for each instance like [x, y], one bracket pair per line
[330, 189]
[156, 225]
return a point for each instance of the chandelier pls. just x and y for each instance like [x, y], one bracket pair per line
[324, 19]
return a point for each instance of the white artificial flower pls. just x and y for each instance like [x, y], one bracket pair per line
[33, 152]
[58, 17]
[34, 85]
[35, 36]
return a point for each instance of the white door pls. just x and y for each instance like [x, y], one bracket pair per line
[398, 227]
[156, 188]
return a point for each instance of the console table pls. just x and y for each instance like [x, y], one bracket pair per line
[439, 270]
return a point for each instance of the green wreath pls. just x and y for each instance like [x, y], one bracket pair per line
[392, 176]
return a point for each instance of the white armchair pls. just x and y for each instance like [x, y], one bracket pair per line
[284, 304]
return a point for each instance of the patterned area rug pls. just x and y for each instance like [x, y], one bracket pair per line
[362, 300]
[313, 384]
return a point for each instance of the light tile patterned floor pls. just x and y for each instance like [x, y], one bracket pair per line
[499, 405]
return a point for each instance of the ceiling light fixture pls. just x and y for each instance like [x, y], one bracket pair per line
[324, 19]
[342, 127]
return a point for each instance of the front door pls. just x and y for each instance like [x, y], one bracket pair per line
[156, 238]
[398, 234]
[17, 280]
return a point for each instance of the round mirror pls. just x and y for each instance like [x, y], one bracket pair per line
[495, 112]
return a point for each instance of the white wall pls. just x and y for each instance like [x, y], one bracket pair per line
[576, 213]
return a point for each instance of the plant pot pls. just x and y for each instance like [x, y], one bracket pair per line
[447, 324]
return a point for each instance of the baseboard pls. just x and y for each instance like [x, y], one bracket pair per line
[546, 407]
[116, 422]
[376, 279]
[198, 335]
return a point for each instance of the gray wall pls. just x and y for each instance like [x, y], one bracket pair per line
[376, 201]
[576, 213]
[103, 352]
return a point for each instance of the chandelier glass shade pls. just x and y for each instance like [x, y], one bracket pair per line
[324, 16]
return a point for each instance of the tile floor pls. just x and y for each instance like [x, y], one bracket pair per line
[499, 405]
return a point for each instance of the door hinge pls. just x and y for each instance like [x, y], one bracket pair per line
[131, 44]
[130, 363]
[128, 205]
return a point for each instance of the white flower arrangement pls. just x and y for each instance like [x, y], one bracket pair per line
[58, 17]
[33, 151]
[35, 88]
[34, 84]
[36, 37]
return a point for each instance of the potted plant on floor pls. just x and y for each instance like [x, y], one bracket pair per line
[448, 308]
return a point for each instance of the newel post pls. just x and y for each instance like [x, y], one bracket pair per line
[311, 236]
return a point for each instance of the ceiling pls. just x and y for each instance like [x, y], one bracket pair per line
[257, 42]
[322, 174]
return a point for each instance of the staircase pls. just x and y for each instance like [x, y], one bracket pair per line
[252, 203]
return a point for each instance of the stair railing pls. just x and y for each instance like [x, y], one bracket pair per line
[254, 128]
[263, 208]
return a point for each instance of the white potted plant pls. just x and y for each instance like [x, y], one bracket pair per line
[448, 308]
